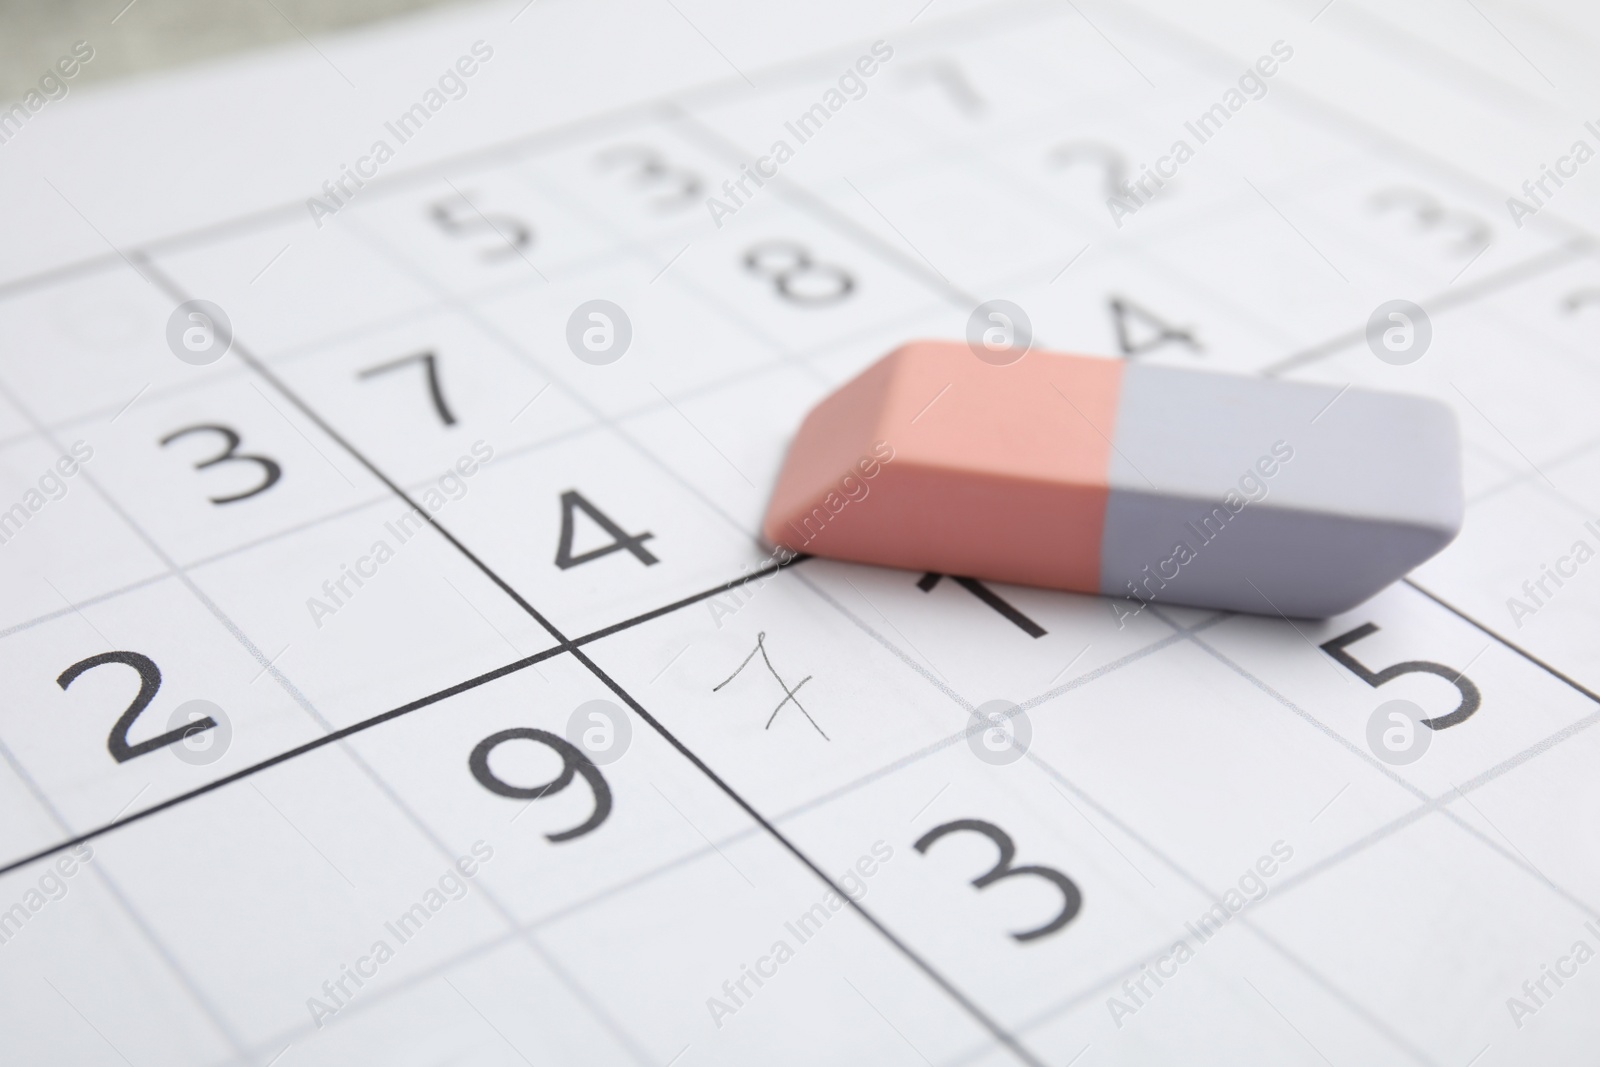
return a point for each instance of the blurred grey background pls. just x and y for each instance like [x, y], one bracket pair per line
[146, 35]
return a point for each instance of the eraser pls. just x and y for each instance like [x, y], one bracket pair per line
[1128, 480]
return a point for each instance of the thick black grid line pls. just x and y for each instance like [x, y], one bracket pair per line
[666, 609]
[394, 713]
[566, 645]
[1507, 642]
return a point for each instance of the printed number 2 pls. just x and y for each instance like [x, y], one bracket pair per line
[149, 683]
[620, 539]
[1072, 899]
[1470, 698]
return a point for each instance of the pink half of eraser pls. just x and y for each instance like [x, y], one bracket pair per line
[1098, 476]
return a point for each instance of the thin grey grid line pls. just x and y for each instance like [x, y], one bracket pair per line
[1130, 246]
[1109, 843]
[793, 812]
[1329, 111]
[630, 414]
[691, 424]
[582, 995]
[987, 19]
[520, 351]
[289, 531]
[514, 931]
[1520, 477]
[709, 843]
[1375, 764]
[965, 1003]
[1444, 800]
[193, 988]
[96, 229]
[1505, 278]
[788, 815]
[201, 562]
[309, 843]
[926, 659]
[603, 1017]
[1073, 1000]
[1418, 52]
[509, 243]
[1223, 61]
[898, 232]
[893, 649]
[1512, 46]
[643, 251]
[895, 765]
[1496, 428]
[1208, 894]
[434, 309]
[712, 141]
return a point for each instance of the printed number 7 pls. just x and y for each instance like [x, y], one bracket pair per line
[1470, 697]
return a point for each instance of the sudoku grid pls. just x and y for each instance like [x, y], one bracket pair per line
[795, 731]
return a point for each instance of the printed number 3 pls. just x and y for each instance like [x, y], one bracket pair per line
[1072, 899]
[270, 470]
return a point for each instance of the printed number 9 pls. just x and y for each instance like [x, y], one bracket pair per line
[574, 763]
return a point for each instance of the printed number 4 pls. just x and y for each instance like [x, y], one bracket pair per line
[621, 540]
[1470, 697]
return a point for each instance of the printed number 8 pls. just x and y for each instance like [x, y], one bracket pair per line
[796, 276]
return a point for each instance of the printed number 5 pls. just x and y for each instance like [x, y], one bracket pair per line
[1470, 698]
[1072, 899]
